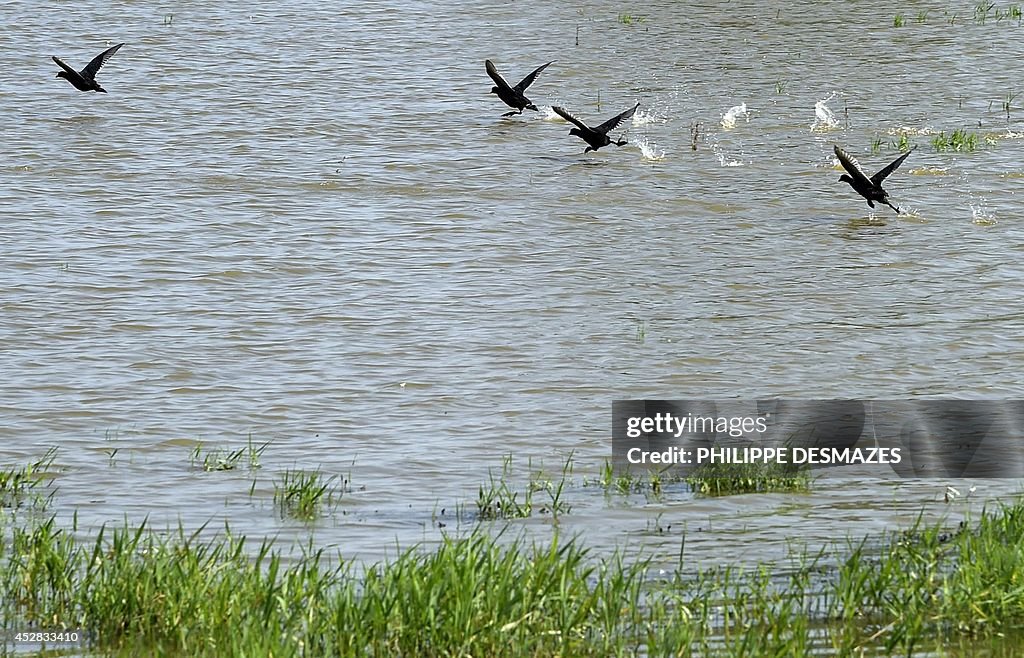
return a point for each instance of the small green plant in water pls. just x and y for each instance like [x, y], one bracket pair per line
[16, 483]
[499, 500]
[922, 16]
[902, 143]
[556, 504]
[641, 331]
[730, 479]
[780, 87]
[876, 145]
[630, 19]
[898, 20]
[1008, 104]
[220, 459]
[304, 494]
[982, 10]
[959, 140]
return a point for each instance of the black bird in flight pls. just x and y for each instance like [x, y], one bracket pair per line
[596, 137]
[85, 80]
[869, 188]
[513, 96]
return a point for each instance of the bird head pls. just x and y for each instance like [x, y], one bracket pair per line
[575, 131]
[494, 90]
[62, 74]
[845, 178]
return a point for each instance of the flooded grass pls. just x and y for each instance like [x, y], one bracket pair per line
[731, 479]
[305, 495]
[138, 591]
[21, 485]
[958, 140]
[222, 459]
[500, 499]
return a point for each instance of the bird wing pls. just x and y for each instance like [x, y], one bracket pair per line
[97, 63]
[568, 117]
[64, 66]
[853, 167]
[493, 72]
[893, 166]
[528, 80]
[610, 124]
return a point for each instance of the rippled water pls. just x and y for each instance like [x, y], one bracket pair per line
[307, 223]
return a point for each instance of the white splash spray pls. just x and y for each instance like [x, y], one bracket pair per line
[824, 119]
[644, 117]
[735, 112]
[649, 149]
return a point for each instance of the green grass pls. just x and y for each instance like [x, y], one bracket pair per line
[730, 479]
[20, 485]
[958, 140]
[902, 143]
[500, 499]
[641, 331]
[631, 19]
[899, 20]
[143, 592]
[306, 495]
[221, 459]
[649, 482]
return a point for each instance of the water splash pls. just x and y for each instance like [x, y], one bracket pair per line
[649, 149]
[824, 119]
[980, 214]
[723, 160]
[910, 130]
[548, 114]
[729, 118]
[642, 118]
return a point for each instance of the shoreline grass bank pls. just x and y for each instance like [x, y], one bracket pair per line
[139, 592]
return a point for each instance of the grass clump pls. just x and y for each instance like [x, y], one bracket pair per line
[730, 479]
[304, 494]
[19, 484]
[959, 140]
[631, 19]
[651, 481]
[221, 459]
[498, 499]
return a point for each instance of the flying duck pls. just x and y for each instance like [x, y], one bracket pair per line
[596, 137]
[869, 188]
[513, 96]
[85, 80]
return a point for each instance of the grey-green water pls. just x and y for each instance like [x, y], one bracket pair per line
[306, 223]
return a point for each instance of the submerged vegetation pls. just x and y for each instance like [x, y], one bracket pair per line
[958, 140]
[137, 591]
[20, 486]
[499, 498]
[222, 459]
[730, 479]
[631, 19]
[305, 494]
